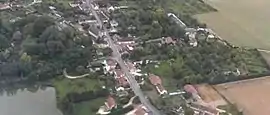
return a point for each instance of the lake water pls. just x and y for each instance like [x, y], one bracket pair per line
[42, 102]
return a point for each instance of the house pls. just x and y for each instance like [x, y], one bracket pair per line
[192, 90]
[73, 4]
[138, 110]
[95, 66]
[113, 23]
[4, 6]
[111, 8]
[122, 81]
[110, 103]
[132, 67]
[161, 89]
[156, 81]
[113, 31]
[119, 73]
[126, 41]
[192, 38]
[168, 40]
[108, 106]
[125, 48]
[110, 65]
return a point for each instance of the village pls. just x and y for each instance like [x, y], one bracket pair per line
[110, 66]
[125, 46]
[137, 91]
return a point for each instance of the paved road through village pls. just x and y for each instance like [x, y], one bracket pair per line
[116, 54]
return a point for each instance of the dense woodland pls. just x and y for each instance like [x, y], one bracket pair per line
[208, 63]
[37, 48]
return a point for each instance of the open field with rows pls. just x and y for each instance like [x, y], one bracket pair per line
[250, 96]
[241, 22]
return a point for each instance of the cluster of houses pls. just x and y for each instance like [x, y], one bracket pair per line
[110, 104]
[122, 85]
[16, 4]
[157, 82]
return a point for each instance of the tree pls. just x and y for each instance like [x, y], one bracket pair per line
[107, 51]
[156, 30]
[40, 24]
[4, 43]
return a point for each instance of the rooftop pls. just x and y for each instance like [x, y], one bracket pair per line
[4, 6]
[155, 80]
[131, 65]
[140, 110]
[119, 73]
[169, 40]
[111, 62]
[110, 102]
[190, 89]
[122, 81]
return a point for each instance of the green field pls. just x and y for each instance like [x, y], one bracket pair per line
[245, 25]
[66, 86]
[88, 107]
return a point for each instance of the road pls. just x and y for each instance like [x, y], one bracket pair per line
[131, 79]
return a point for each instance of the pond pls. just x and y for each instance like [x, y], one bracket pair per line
[42, 102]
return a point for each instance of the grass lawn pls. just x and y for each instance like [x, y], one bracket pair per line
[163, 71]
[65, 86]
[88, 107]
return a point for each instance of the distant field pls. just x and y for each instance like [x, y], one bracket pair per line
[251, 96]
[241, 22]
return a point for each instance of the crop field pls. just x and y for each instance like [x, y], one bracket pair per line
[250, 96]
[241, 22]
[209, 95]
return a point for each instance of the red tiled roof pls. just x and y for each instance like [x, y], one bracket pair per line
[155, 80]
[131, 65]
[4, 6]
[139, 110]
[110, 102]
[190, 89]
[122, 81]
[111, 62]
[119, 73]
